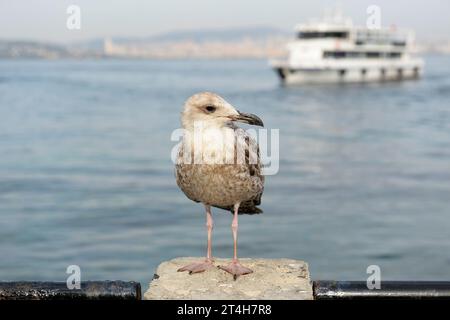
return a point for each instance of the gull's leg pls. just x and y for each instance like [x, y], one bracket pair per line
[235, 268]
[208, 262]
[209, 227]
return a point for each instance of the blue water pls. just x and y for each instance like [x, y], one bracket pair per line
[86, 176]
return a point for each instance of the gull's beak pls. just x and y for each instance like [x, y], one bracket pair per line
[248, 118]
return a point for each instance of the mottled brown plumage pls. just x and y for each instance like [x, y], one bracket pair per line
[224, 185]
[218, 164]
[220, 185]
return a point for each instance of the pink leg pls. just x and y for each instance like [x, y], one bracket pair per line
[235, 268]
[208, 262]
[209, 227]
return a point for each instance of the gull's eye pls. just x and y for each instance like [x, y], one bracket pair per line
[210, 109]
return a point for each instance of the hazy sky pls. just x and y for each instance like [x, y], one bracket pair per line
[46, 19]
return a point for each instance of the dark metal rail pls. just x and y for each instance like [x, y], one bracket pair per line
[332, 290]
[323, 290]
[90, 290]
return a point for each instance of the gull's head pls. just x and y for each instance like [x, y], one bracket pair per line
[211, 110]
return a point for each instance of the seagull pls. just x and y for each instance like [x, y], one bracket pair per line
[232, 177]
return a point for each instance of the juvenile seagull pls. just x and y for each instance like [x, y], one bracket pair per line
[231, 178]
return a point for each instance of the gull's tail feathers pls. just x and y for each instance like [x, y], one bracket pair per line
[248, 207]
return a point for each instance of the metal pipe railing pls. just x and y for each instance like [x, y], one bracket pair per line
[89, 290]
[322, 290]
[332, 290]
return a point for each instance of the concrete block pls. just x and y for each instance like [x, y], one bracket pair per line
[272, 279]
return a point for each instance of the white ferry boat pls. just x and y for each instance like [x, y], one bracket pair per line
[333, 50]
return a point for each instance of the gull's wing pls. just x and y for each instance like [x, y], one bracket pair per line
[253, 168]
[249, 173]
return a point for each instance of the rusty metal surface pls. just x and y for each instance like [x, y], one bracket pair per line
[90, 290]
[332, 290]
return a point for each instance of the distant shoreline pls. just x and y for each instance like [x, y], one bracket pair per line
[245, 46]
[108, 58]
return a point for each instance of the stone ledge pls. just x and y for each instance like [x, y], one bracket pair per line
[272, 279]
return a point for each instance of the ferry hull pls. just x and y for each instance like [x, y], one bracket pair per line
[318, 76]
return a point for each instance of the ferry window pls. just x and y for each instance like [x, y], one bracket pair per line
[399, 43]
[334, 54]
[358, 54]
[319, 35]
[343, 54]
[354, 54]
[373, 54]
[394, 55]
